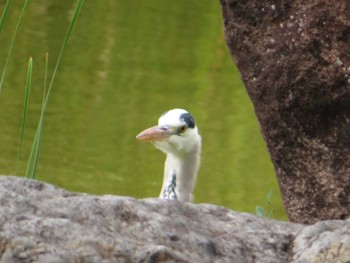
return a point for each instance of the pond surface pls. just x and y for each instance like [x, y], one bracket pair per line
[126, 63]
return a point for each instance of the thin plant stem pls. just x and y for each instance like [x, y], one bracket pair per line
[4, 13]
[25, 109]
[24, 9]
[37, 142]
[31, 167]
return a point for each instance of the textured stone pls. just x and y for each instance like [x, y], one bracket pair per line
[42, 223]
[294, 60]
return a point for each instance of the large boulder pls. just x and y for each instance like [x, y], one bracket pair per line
[294, 60]
[42, 223]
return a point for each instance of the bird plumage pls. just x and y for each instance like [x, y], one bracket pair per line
[169, 189]
[177, 135]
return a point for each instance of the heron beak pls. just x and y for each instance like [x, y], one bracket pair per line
[156, 133]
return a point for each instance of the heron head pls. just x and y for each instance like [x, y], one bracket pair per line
[175, 133]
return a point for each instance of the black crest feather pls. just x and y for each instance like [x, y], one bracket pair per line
[186, 117]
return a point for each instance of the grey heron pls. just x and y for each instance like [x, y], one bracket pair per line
[177, 135]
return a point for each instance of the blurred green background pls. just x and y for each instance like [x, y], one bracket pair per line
[126, 63]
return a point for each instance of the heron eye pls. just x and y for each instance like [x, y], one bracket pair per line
[183, 128]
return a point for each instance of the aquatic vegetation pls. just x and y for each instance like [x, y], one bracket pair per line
[34, 153]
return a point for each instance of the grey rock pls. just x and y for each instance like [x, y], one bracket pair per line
[42, 223]
[294, 60]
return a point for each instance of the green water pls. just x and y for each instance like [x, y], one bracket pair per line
[126, 63]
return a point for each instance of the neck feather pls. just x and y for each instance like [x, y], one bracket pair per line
[186, 168]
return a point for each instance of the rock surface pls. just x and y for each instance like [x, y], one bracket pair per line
[42, 223]
[295, 63]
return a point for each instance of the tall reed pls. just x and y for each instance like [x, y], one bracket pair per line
[25, 108]
[3, 18]
[4, 13]
[34, 153]
[37, 144]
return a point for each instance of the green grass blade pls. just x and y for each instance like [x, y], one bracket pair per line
[259, 211]
[25, 108]
[65, 41]
[31, 157]
[24, 9]
[36, 151]
[4, 13]
[40, 126]
[31, 167]
[45, 78]
[268, 197]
